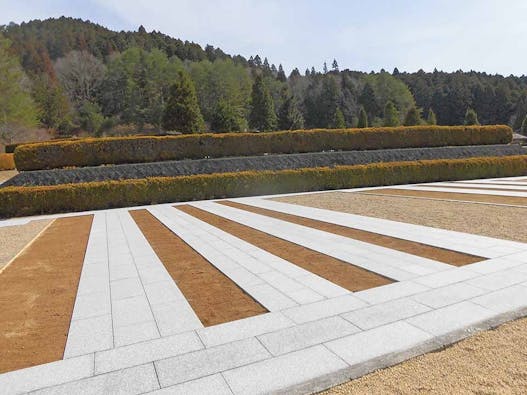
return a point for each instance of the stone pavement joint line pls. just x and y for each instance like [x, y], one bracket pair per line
[133, 331]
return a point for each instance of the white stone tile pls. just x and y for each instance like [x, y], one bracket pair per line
[498, 280]
[507, 300]
[136, 380]
[242, 329]
[135, 333]
[91, 305]
[141, 353]
[305, 296]
[131, 311]
[175, 317]
[392, 343]
[447, 277]
[126, 288]
[324, 308]
[305, 335]
[122, 271]
[492, 265]
[385, 313]
[49, 374]
[209, 361]
[163, 292]
[89, 335]
[454, 293]
[390, 292]
[209, 385]
[453, 322]
[304, 371]
[269, 297]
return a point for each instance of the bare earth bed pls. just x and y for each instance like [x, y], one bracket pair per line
[487, 363]
[480, 219]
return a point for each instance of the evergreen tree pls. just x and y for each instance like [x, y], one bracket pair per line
[363, 118]
[523, 129]
[289, 116]
[307, 73]
[54, 107]
[313, 71]
[338, 120]
[16, 106]
[391, 115]
[325, 68]
[262, 116]
[335, 65]
[368, 100]
[182, 113]
[431, 117]
[413, 117]
[227, 118]
[281, 75]
[471, 118]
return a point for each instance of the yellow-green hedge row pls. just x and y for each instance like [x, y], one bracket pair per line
[7, 162]
[99, 151]
[20, 201]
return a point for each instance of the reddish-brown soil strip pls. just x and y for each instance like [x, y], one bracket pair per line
[339, 272]
[486, 188]
[37, 294]
[214, 297]
[468, 197]
[423, 250]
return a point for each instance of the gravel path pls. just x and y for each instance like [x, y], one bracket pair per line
[265, 162]
[480, 219]
[7, 174]
[14, 238]
[492, 362]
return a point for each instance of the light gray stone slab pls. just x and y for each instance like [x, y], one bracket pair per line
[324, 308]
[89, 335]
[305, 296]
[497, 280]
[122, 271]
[131, 311]
[453, 322]
[450, 294]
[512, 301]
[91, 285]
[306, 335]
[91, 305]
[136, 380]
[209, 361]
[269, 297]
[149, 351]
[47, 375]
[210, 385]
[324, 288]
[447, 277]
[390, 292]
[242, 329]
[381, 346]
[163, 292]
[304, 371]
[175, 317]
[385, 313]
[135, 333]
[493, 265]
[126, 288]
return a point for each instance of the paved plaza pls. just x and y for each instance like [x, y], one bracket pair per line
[133, 330]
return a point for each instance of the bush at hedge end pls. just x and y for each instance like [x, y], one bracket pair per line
[7, 162]
[117, 150]
[19, 201]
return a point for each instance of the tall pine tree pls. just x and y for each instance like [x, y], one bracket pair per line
[431, 118]
[391, 115]
[338, 119]
[262, 116]
[471, 118]
[363, 118]
[182, 113]
[289, 115]
[413, 117]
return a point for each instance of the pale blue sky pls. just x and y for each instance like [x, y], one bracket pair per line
[482, 35]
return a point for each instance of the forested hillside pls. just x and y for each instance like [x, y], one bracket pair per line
[70, 75]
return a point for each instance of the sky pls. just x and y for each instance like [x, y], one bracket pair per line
[481, 35]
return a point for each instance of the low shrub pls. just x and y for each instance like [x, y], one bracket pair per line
[7, 162]
[117, 150]
[19, 201]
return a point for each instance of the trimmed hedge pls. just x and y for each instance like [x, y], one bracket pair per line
[19, 201]
[118, 150]
[7, 162]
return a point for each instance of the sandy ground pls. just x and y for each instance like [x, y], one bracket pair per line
[7, 174]
[481, 219]
[14, 238]
[492, 362]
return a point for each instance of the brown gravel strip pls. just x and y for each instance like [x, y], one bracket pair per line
[492, 362]
[37, 294]
[512, 200]
[214, 297]
[480, 219]
[339, 272]
[7, 174]
[14, 238]
[426, 251]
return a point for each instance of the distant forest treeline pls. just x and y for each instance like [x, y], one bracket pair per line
[81, 76]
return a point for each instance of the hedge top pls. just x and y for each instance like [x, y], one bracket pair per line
[137, 149]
